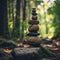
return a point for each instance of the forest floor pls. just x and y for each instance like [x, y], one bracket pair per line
[55, 49]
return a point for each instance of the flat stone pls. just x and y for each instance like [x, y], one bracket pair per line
[26, 53]
[33, 22]
[33, 34]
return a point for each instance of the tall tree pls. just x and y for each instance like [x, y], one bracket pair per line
[23, 17]
[17, 20]
[4, 19]
[13, 17]
[1, 18]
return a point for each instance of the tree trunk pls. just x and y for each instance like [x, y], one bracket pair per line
[1, 17]
[6, 30]
[23, 17]
[17, 21]
[4, 21]
[13, 17]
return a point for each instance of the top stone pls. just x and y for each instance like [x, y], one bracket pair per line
[34, 10]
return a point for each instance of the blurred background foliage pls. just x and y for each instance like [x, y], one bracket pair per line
[19, 13]
[48, 16]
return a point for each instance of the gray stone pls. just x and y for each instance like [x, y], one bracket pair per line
[26, 53]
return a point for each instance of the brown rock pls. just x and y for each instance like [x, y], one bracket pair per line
[33, 40]
[33, 22]
[34, 17]
[33, 28]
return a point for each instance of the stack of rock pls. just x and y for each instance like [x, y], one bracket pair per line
[33, 29]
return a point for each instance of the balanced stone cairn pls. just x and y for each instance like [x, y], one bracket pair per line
[33, 38]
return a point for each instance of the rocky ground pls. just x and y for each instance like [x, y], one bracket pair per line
[53, 46]
[29, 52]
[26, 54]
